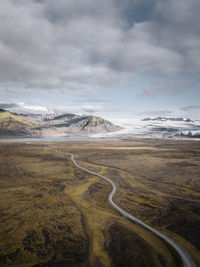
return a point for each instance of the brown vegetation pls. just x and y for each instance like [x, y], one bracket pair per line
[54, 214]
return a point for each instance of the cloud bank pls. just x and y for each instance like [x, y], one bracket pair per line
[88, 45]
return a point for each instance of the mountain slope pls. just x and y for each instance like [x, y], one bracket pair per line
[92, 125]
[71, 124]
[12, 125]
[52, 125]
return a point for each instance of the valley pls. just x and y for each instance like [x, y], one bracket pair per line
[54, 214]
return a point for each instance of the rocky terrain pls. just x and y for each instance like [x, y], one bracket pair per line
[51, 125]
[12, 125]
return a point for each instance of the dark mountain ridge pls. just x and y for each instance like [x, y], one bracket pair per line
[50, 125]
[169, 119]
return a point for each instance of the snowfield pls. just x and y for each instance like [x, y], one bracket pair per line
[156, 128]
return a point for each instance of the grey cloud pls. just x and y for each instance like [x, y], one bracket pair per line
[170, 86]
[100, 109]
[24, 108]
[162, 89]
[63, 11]
[156, 113]
[88, 45]
[101, 101]
[92, 108]
[190, 108]
[7, 105]
[134, 11]
[183, 13]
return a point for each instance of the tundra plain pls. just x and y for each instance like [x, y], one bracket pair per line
[54, 214]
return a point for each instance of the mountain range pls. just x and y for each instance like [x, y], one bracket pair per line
[73, 125]
[52, 125]
[169, 119]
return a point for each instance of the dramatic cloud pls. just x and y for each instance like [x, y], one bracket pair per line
[87, 45]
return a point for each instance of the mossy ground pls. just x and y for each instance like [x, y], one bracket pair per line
[54, 214]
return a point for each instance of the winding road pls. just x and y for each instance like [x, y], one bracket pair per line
[187, 260]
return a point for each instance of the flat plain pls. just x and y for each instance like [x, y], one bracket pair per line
[54, 214]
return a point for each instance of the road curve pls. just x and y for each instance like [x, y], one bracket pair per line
[187, 260]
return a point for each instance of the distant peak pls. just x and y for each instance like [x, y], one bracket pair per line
[168, 119]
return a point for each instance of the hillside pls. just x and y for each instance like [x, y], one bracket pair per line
[12, 125]
[53, 125]
[84, 124]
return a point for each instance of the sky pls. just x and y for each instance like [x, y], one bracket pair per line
[111, 58]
